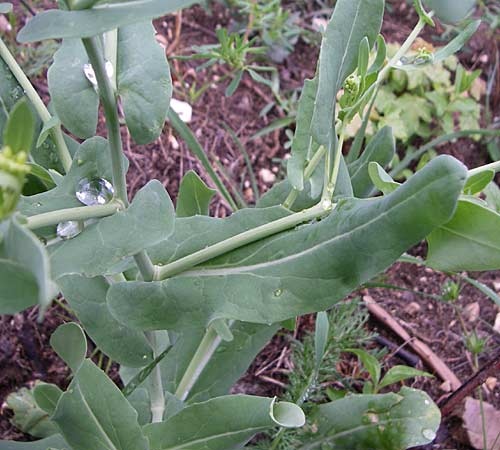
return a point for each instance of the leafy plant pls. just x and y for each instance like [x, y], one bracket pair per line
[182, 301]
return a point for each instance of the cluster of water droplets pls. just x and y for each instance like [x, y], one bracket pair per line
[90, 192]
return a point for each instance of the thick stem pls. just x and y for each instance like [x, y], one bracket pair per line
[110, 107]
[156, 384]
[311, 167]
[493, 166]
[245, 238]
[203, 354]
[76, 214]
[41, 109]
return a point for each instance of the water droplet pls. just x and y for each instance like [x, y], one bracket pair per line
[37, 204]
[68, 230]
[144, 356]
[110, 71]
[427, 433]
[88, 70]
[278, 292]
[327, 204]
[96, 191]
[427, 402]
[80, 162]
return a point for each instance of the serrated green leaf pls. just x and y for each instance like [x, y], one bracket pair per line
[55, 24]
[20, 127]
[351, 22]
[144, 82]
[87, 298]
[147, 221]
[93, 414]
[264, 282]
[229, 422]
[70, 343]
[194, 196]
[74, 98]
[469, 241]
[385, 422]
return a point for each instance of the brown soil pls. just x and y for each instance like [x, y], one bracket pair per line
[25, 354]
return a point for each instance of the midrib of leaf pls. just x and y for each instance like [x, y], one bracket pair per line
[471, 238]
[107, 440]
[240, 269]
[215, 436]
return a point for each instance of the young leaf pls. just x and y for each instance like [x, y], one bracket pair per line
[381, 149]
[74, 98]
[456, 44]
[55, 442]
[400, 373]
[47, 127]
[381, 179]
[194, 196]
[18, 133]
[56, 24]
[478, 182]
[46, 396]
[264, 282]
[228, 422]
[321, 337]
[363, 57]
[381, 56]
[422, 13]
[370, 363]
[469, 241]
[451, 11]
[351, 22]
[144, 82]
[94, 414]
[70, 343]
[87, 298]
[384, 422]
[235, 82]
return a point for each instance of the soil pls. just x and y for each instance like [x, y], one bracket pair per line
[25, 354]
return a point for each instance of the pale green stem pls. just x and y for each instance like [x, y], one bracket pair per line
[245, 238]
[41, 109]
[493, 166]
[311, 167]
[111, 52]
[108, 98]
[203, 354]
[336, 164]
[76, 214]
[156, 385]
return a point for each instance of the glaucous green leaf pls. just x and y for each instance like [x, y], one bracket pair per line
[321, 337]
[351, 22]
[304, 270]
[385, 422]
[478, 182]
[302, 140]
[46, 128]
[21, 250]
[144, 82]
[55, 442]
[91, 160]
[55, 24]
[400, 373]
[457, 43]
[381, 179]
[228, 423]
[94, 414]
[451, 11]
[147, 221]
[87, 298]
[74, 98]
[20, 127]
[194, 196]
[492, 193]
[70, 343]
[27, 415]
[381, 149]
[46, 396]
[469, 241]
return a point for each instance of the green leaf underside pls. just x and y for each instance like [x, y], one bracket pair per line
[194, 196]
[144, 82]
[70, 343]
[54, 24]
[93, 414]
[385, 422]
[352, 20]
[228, 422]
[451, 11]
[146, 222]
[87, 298]
[74, 98]
[55, 442]
[470, 241]
[267, 282]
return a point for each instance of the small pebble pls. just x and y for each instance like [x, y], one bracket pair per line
[413, 308]
[267, 176]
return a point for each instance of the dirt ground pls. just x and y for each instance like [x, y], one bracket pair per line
[25, 355]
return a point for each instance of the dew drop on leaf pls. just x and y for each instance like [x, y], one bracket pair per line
[95, 191]
[68, 230]
[427, 433]
[278, 292]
